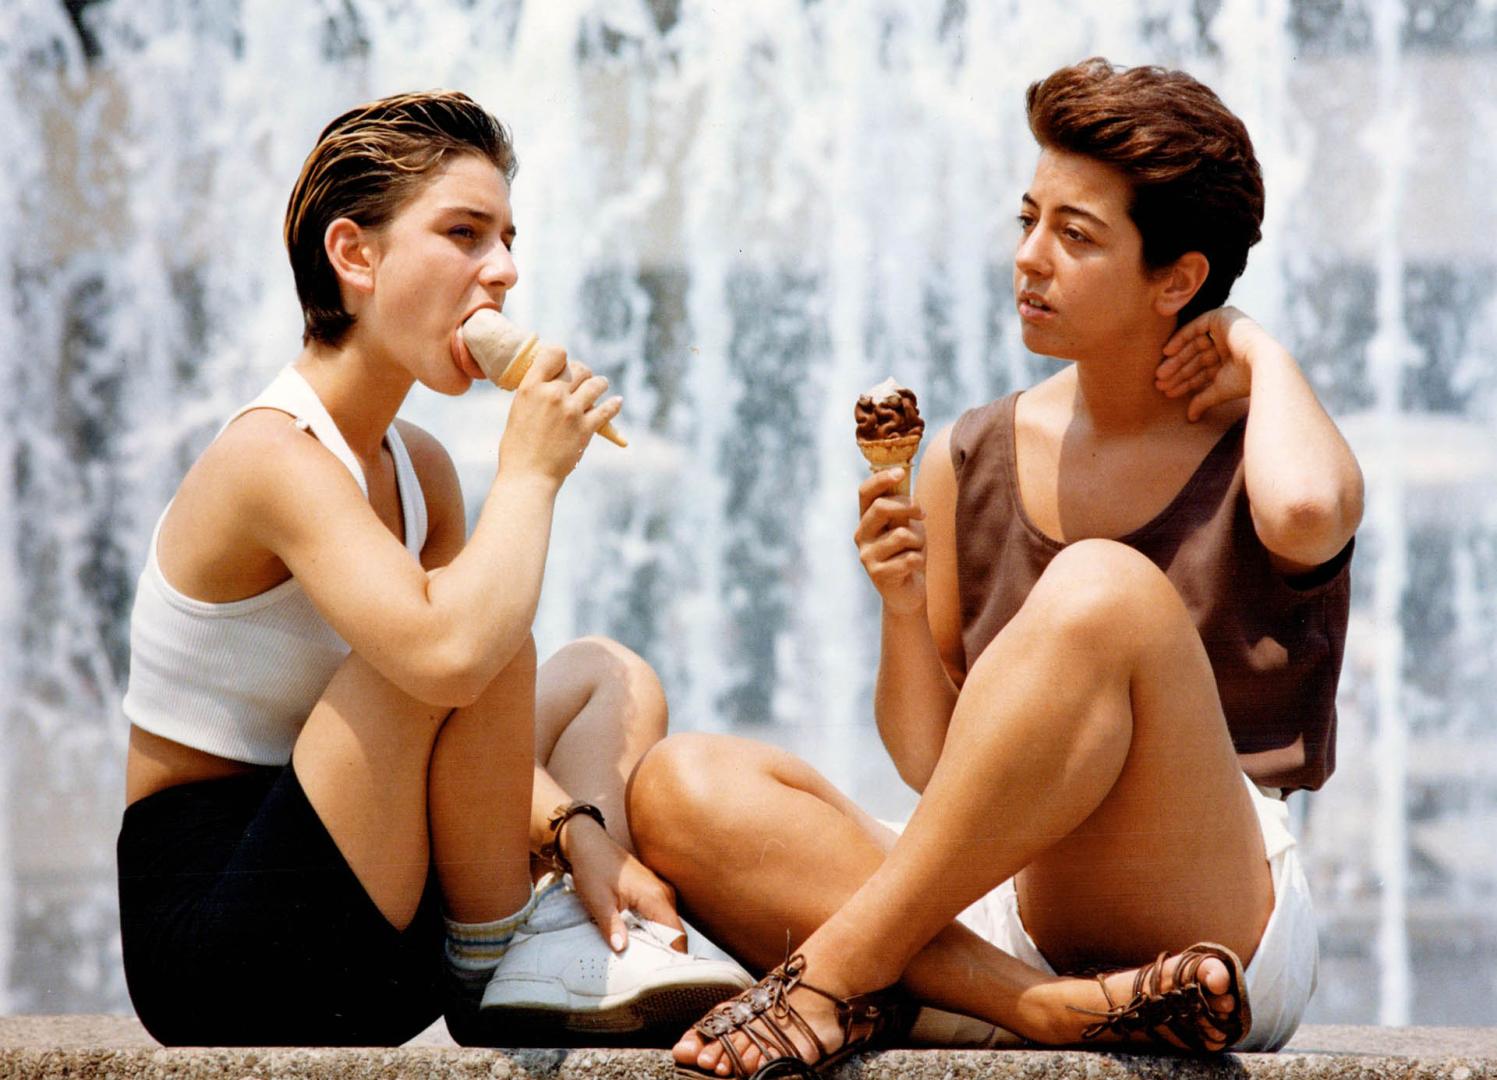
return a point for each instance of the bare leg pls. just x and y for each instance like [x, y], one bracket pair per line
[1091, 717]
[599, 707]
[759, 844]
[400, 783]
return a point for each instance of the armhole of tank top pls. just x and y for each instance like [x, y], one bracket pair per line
[408, 486]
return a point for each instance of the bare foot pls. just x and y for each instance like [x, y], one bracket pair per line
[1188, 1000]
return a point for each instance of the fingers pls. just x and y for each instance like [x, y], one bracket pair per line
[879, 483]
[1198, 327]
[877, 509]
[550, 363]
[1190, 369]
[603, 906]
[885, 514]
[658, 905]
[1206, 399]
[906, 539]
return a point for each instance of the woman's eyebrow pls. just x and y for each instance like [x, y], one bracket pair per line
[1067, 208]
[471, 211]
[484, 216]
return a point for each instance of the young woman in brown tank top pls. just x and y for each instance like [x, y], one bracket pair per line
[1081, 749]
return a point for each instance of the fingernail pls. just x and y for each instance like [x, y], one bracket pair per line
[617, 941]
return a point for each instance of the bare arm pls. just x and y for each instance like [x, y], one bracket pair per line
[1303, 483]
[441, 637]
[608, 878]
[908, 551]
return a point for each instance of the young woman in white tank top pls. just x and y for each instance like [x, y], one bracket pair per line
[343, 752]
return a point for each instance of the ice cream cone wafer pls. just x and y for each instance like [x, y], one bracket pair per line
[884, 454]
[505, 353]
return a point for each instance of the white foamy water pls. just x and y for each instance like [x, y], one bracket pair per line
[744, 214]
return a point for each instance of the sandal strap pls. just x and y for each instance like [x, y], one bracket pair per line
[778, 1022]
[1180, 1010]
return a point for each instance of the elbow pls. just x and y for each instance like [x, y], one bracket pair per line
[1312, 528]
[463, 671]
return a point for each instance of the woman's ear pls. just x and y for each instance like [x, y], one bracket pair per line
[1181, 282]
[351, 252]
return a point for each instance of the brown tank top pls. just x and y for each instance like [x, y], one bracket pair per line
[1275, 643]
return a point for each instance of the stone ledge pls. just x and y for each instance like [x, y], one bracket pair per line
[37, 1047]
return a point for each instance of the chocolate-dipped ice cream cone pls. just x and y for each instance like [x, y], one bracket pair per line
[889, 429]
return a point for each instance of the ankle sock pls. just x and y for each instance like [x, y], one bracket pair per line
[473, 949]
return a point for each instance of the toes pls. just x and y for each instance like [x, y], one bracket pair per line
[1213, 974]
[711, 1056]
[689, 1048]
[752, 1058]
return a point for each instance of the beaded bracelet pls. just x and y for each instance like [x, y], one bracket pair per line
[551, 850]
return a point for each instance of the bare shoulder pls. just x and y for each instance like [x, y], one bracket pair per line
[433, 463]
[937, 477]
[442, 491]
[251, 485]
[265, 454]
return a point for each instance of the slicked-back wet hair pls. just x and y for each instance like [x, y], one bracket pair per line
[1196, 184]
[367, 163]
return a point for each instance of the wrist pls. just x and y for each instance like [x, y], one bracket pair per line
[564, 822]
[580, 836]
[534, 482]
[897, 615]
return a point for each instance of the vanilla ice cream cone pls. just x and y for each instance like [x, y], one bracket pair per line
[505, 353]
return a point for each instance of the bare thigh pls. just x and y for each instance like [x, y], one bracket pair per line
[1173, 853]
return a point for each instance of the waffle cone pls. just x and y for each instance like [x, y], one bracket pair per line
[884, 454]
[514, 371]
[519, 364]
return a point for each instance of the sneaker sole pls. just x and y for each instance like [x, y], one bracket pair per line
[650, 1007]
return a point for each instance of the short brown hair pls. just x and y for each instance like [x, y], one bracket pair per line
[1196, 184]
[365, 165]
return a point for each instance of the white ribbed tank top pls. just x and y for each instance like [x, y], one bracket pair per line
[238, 679]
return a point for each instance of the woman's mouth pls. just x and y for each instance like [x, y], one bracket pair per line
[1033, 308]
[463, 358]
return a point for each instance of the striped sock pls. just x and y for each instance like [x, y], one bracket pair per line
[473, 949]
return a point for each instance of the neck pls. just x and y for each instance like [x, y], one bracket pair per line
[361, 392]
[1116, 394]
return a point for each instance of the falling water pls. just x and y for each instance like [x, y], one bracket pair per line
[1388, 355]
[743, 214]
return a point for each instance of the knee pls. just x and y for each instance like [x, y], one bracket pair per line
[1101, 587]
[618, 671]
[674, 793]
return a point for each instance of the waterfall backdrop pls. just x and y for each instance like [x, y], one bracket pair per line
[743, 214]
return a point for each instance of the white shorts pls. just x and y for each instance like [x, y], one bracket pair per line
[1282, 974]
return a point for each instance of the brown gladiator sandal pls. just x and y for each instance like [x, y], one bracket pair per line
[864, 1019]
[1183, 1011]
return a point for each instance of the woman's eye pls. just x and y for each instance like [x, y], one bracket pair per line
[1026, 222]
[1077, 235]
[464, 232]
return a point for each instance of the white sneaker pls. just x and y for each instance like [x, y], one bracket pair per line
[559, 971]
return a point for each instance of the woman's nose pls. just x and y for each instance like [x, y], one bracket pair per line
[1031, 256]
[499, 270]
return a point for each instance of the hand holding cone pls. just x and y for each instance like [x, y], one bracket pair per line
[889, 429]
[505, 353]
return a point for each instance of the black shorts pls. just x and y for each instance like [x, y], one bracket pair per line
[242, 925]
